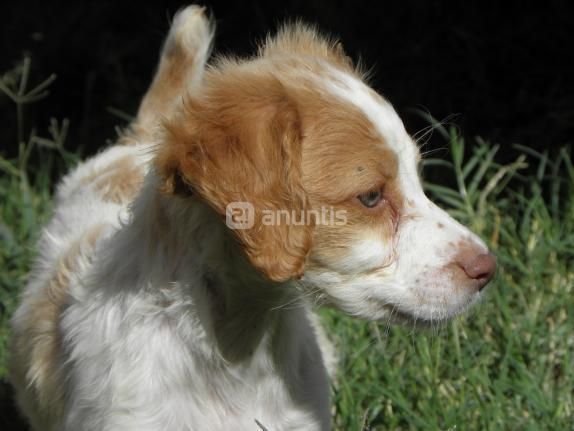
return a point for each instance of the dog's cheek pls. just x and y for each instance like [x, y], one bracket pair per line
[367, 255]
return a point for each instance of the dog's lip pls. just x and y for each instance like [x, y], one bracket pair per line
[443, 314]
[405, 318]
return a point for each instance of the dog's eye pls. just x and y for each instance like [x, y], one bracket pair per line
[372, 198]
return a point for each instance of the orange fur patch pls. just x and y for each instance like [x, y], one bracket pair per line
[177, 66]
[167, 86]
[240, 142]
[117, 182]
[120, 181]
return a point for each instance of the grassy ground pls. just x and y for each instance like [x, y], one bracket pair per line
[507, 365]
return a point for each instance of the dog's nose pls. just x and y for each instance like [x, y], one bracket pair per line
[480, 268]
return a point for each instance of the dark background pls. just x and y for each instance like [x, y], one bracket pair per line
[503, 68]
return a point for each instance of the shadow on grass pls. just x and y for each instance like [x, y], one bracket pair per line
[10, 418]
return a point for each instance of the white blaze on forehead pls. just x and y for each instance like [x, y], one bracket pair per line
[386, 121]
[378, 110]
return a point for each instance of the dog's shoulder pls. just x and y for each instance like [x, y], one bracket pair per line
[114, 175]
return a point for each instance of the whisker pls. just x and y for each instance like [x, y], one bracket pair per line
[435, 150]
[425, 134]
[295, 301]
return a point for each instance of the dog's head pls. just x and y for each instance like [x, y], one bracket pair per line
[330, 176]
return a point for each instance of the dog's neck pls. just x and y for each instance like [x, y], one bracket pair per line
[181, 242]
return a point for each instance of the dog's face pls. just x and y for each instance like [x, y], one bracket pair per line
[398, 255]
[297, 130]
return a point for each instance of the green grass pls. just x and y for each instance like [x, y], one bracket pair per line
[25, 190]
[507, 365]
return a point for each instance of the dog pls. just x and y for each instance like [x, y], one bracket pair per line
[166, 296]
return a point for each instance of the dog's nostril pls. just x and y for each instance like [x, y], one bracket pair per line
[481, 268]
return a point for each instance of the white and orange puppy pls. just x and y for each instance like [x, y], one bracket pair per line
[145, 311]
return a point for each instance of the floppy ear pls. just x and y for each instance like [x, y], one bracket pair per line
[241, 143]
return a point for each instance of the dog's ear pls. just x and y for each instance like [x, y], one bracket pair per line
[240, 144]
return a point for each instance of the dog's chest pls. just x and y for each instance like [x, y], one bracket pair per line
[161, 370]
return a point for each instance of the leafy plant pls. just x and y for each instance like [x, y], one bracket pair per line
[25, 190]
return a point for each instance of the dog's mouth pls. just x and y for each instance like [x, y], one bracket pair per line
[432, 310]
[399, 317]
[423, 307]
[424, 300]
